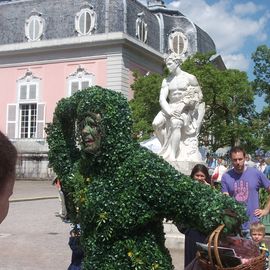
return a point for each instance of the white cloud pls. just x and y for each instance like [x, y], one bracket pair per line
[236, 61]
[247, 8]
[230, 31]
[232, 26]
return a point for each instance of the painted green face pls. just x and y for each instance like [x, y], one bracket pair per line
[90, 133]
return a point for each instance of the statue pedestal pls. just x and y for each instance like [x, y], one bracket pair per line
[175, 242]
[174, 239]
[185, 167]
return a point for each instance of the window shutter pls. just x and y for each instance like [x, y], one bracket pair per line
[81, 24]
[178, 44]
[23, 92]
[33, 91]
[74, 87]
[31, 30]
[11, 121]
[36, 28]
[40, 120]
[85, 84]
[87, 22]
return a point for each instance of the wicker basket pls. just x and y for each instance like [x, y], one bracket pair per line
[257, 263]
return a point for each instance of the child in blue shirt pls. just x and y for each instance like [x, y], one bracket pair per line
[257, 232]
[77, 252]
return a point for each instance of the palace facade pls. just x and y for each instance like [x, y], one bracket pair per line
[51, 49]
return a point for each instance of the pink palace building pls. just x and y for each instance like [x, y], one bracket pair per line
[50, 49]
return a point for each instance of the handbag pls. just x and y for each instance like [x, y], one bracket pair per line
[215, 175]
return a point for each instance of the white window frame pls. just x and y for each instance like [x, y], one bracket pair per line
[14, 120]
[141, 28]
[81, 15]
[29, 122]
[34, 19]
[179, 35]
[79, 76]
[28, 85]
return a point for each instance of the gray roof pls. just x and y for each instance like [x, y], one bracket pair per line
[112, 16]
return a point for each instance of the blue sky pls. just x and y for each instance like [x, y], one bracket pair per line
[237, 27]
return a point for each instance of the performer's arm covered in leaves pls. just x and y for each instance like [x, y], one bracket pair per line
[185, 201]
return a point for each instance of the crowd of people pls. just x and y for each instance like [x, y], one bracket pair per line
[218, 165]
[240, 178]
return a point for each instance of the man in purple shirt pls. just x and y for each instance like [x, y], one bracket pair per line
[243, 184]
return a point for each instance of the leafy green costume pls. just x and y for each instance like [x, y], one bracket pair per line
[121, 194]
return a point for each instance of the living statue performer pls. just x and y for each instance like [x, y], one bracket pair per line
[178, 123]
[119, 192]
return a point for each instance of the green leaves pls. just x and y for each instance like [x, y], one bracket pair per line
[261, 60]
[229, 101]
[261, 86]
[145, 104]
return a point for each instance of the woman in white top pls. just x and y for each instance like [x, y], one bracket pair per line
[219, 170]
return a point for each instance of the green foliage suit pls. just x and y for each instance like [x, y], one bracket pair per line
[121, 194]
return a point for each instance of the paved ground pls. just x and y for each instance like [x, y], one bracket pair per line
[33, 238]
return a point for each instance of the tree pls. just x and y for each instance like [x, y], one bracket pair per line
[261, 129]
[229, 100]
[261, 71]
[265, 120]
[145, 104]
[261, 86]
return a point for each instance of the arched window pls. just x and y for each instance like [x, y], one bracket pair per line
[141, 28]
[79, 80]
[178, 42]
[85, 21]
[34, 26]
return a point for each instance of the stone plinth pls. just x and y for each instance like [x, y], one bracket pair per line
[175, 243]
[185, 167]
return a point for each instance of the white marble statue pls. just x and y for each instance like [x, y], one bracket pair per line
[178, 123]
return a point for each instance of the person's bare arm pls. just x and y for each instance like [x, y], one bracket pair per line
[265, 211]
[164, 92]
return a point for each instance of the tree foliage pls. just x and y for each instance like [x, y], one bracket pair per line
[145, 104]
[229, 100]
[261, 71]
[261, 86]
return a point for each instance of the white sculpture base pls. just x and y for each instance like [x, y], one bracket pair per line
[175, 242]
[185, 167]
